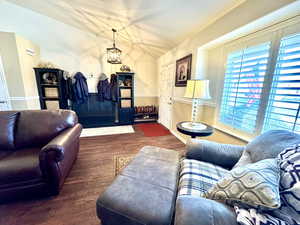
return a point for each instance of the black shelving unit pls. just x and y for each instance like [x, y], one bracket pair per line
[52, 88]
[125, 101]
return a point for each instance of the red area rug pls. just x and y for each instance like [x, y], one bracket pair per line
[153, 129]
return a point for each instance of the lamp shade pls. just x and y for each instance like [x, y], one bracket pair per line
[197, 89]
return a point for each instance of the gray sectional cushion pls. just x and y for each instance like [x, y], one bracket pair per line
[200, 211]
[267, 145]
[244, 160]
[132, 201]
[145, 191]
[224, 155]
[153, 171]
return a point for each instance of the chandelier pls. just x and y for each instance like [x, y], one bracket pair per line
[114, 54]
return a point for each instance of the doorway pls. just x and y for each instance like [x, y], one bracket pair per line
[165, 95]
[4, 95]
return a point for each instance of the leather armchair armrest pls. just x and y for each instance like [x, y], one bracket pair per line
[57, 157]
[200, 211]
[57, 147]
[224, 155]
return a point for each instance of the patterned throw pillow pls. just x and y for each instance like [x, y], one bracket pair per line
[255, 185]
[253, 217]
[289, 162]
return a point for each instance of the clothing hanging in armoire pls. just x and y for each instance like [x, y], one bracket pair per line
[114, 87]
[80, 88]
[103, 87]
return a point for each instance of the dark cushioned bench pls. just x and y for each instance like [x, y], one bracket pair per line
[145, 191]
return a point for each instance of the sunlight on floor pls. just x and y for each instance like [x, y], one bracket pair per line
[90, 132]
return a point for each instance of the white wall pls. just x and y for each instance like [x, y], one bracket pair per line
[18, 69]
[74, 50]
[239, 17]
[28, 60]
[207, 63]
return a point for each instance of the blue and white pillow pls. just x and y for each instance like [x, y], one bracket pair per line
[253, 217]
[289, 212]
[290, 184]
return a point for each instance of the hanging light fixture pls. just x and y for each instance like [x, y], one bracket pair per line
[114, 54]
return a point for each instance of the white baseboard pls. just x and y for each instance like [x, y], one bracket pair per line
[178, 136]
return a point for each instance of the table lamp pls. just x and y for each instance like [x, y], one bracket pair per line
[196, 90]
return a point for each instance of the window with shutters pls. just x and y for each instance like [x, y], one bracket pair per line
[243, 83]
[262, 90]
[284, 99]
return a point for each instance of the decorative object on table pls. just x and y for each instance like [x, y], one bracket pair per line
[255, 185]
[114, 54]
[196, 90]
[194, 132]
[183, 71]
[125, 68]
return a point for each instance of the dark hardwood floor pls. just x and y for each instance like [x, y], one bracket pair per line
[91, 174]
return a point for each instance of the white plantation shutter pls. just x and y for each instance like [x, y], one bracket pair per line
[284, 99]
[243, 83]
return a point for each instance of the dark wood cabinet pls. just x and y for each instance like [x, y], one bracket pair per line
[125, 102]
[52, 88]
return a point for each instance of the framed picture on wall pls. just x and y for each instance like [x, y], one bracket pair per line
[183, 71]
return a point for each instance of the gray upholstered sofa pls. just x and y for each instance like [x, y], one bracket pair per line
[130, 200]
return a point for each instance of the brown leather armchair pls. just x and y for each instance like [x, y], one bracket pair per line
[37, 151]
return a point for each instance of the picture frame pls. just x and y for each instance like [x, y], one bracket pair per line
[183, 71]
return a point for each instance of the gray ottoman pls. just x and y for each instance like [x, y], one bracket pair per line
[145, 192]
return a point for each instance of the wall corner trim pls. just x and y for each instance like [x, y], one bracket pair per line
[178, 136]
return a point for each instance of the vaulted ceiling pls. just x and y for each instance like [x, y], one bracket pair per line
[158, 25]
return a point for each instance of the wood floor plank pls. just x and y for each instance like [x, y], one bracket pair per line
[91, 174]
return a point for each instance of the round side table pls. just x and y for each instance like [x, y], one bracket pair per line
[203, 131]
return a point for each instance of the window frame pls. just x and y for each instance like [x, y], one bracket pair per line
[273, 35]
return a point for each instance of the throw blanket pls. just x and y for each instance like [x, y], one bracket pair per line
[253, 217]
